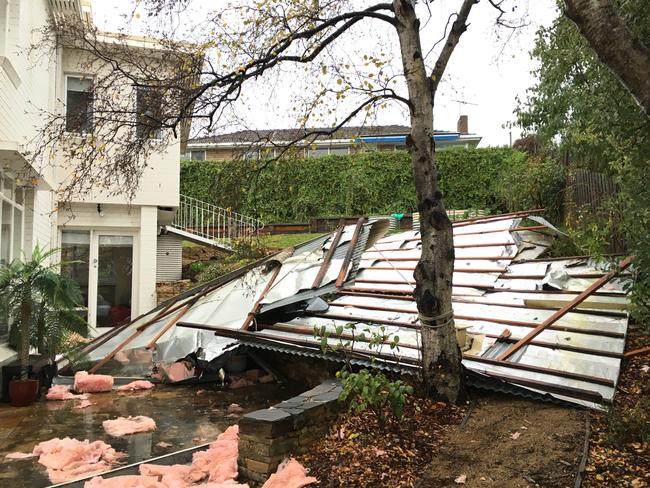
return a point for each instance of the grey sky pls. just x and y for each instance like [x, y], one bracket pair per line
[489, 68]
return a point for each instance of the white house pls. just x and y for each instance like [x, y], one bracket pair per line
[118, 241]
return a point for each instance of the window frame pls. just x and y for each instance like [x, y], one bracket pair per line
[192, 151]
[137, 114]
[80, 76]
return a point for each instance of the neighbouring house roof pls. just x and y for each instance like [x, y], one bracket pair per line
[377, 133]
[502, 290]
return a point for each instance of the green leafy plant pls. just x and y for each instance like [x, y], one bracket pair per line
[244, 251]
[368, 183]
[629, 425]
[372, 390]
[366, 389]
[580, 113]
[197, 266]
[41, 305]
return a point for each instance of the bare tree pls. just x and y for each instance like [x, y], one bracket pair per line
[616, 45]
[245, 42]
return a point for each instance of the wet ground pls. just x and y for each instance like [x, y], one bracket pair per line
[183, 416]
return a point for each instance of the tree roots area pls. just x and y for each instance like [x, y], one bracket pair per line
[495, 440]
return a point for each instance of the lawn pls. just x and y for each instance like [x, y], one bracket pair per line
[277, 241]
[280, 241]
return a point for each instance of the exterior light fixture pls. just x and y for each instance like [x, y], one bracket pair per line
[99, 210]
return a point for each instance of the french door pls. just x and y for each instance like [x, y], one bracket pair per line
[101, 262]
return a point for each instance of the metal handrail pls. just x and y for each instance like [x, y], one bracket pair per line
[215, 223]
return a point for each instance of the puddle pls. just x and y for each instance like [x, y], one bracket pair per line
[180, 414]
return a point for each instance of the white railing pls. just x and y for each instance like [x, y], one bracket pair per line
[214, 223]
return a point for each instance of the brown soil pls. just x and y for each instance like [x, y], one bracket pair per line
[546, 452]
[359, 452]
[201, 253]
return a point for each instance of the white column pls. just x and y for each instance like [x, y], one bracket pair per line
[146, 260]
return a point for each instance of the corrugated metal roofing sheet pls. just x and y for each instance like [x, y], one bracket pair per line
[499, 285]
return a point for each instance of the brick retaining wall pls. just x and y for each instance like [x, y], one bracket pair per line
[267, 437]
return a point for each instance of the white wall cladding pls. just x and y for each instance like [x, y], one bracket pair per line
[169, 258]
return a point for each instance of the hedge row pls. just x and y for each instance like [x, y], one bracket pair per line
[361, 184]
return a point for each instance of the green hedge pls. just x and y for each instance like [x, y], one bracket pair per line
[362, 184]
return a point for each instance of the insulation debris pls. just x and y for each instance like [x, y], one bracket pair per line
[132, 481]
[122, 426]
[15, 456]
[217, 464]
[62, 392]
[92, 383]
[290, 474]
[219, 461]
[68, 459]
[136, 385]
[83, 404]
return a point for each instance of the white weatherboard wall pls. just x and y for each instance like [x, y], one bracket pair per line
[33, 83]
[160, 181]
[26, 81]
[169, 259]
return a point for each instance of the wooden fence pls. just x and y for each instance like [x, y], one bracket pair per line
[588, 189]
[586, 193]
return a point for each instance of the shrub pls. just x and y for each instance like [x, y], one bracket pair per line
[294, 190]
[373, 391]
[536, 182]
[244, 251]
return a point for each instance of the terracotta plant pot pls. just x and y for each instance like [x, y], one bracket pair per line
[22, 393]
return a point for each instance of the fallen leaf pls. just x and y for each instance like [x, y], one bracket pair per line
[515, 436]
[164, 444]
[461, 480]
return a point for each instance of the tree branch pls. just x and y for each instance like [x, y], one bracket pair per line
[457, 29]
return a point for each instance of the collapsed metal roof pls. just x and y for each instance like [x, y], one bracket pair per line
[502, 291]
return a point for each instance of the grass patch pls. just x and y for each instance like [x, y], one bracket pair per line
[281, 241]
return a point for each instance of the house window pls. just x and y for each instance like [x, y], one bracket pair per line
[252, 154]
[339, 150]
[148, 113]
[11, 220]
[197, 155]
[79, 105]
[318, 152]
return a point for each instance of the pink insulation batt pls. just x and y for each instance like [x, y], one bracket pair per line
[68, 459]
[214, 468]
[13, 456]
[62, 392]
[92, 383]
[136, 385]
[122, 426]
[130, 481]
[219, 461]
[290, 474]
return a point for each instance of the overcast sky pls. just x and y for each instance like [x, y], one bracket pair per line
[488, 70]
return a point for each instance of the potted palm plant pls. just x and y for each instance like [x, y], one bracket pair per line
[41, 306]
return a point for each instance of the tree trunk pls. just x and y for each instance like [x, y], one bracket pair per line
[441, 365]
[25, 318]
[40, 333]
[616, 46]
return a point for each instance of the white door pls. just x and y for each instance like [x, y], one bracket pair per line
[102, 263]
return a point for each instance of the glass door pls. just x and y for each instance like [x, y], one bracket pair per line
[114, 265]
[75, 259]
[102, 265]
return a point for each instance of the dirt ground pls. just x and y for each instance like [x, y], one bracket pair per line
[509, 442]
